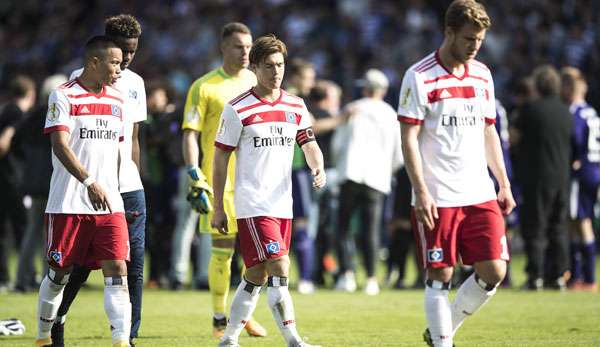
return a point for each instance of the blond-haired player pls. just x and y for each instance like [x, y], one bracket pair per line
[447, 113]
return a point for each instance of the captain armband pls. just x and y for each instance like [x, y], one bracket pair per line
[305, 136]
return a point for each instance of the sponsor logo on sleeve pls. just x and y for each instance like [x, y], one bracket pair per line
[435, 255]
[273, 247]
[133, 94]
[405, 98]
[52, 113]
[56, 256]
[222, 127]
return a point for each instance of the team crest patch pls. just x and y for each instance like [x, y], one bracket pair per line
[435, 255]
[273, 247]
[290, 117]
[52, 112]
[56, 256]
[116, 111]
[133, 94]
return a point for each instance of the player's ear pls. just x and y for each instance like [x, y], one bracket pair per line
[449, 33]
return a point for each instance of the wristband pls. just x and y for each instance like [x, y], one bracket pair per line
[88, 181]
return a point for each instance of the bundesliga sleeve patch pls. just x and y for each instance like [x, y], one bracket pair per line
[305, 136]
[435, 255]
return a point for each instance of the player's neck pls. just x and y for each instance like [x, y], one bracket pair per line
[454, 66]
[90, 83]
[232, 71]
[266, 93]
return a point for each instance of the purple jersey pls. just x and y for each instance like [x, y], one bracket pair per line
[586, 143]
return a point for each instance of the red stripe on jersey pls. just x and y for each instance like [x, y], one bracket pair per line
[224, 146]
[239, 98]
[428, 66]
[409, 120]
[246, 108]
[68, 84]
[478, 78]
[290, 104]
[424, 62]
[490, 120]
[49, 130]
[445, 77]
[121, 138]
[96, 110]
[85, 95]
[272, 116]
[466, 92]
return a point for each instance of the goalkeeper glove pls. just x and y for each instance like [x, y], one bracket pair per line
[11, 326]
[198, 196]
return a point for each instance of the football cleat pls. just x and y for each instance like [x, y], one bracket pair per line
[428, 340]
[11, 327]
[253, 328]
[228, 343]
[58, 334]
[303, 344]
[219, 326]
[47, 342]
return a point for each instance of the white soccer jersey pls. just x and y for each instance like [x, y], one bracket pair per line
[453, 111]
[134, 92]
[95, 125]
[263, 135]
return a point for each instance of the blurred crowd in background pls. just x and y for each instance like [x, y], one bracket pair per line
[339, 40]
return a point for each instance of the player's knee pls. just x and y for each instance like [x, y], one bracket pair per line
[112, 268]
[492, 272]
[256, 274]
[59, 276]
[278, 266]
[440, 274]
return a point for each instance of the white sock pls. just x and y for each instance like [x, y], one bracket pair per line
[242, 307]
[117, 307]
[470, 297]
[438, 314]
[282, 308]
[50, 297]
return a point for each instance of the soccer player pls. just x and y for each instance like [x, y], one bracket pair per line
[85, 218]
[447, 113]
[585, 179]
[125, 31]
[262, 126]
[205, 101]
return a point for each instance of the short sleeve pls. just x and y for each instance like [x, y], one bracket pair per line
[305, 119]
[58, 117]
[230, 129]
[411, 106]
[490, 105]
[141, 112]
[195, 108]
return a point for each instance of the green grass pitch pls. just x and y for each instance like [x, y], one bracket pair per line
[394, 318]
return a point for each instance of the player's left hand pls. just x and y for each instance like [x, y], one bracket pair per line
[219, 221]
[319, 177]
[506, 201]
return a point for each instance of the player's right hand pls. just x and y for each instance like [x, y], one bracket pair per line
[426, 210]
[99, 198]
[219, 221]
